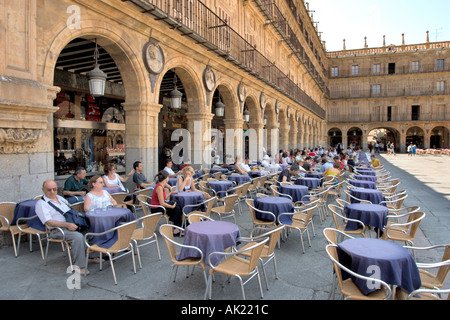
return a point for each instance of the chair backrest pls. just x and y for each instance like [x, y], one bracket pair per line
[286, 183]
[197, 217]
[342, 203]
[337, 213]
[309, 213]
[119, 197]
[79, 206]
[274, 190]
[37, 197]
[443, 271]
[166, 230]
[209, 205]
[6, 214]
[273, 239]
[124, 233]
[230, 201]
[331, 235]
[144, 200]
[149, 223]
[416, 218]
[255, 254]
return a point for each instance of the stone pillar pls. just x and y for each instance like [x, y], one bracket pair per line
[402, 143]
[273, 145]
[141, 131]
[199, 127]
[234, 137]
[284, 138]
[293, 137]
[256, 140]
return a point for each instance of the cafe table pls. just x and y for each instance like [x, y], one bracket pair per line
[220, 187]
[313, 175]
[367, 173]
[187, 198]
[101, 220]
[386, 260]
[173, 182]
[363, 184]
[276, 205]
[312, 183]
[365, 177]
[373, 215]
[209, 236]
[113, 190]
[239, 178]
[374, 196]
[295, 191]
[26, 209]
[215, 170]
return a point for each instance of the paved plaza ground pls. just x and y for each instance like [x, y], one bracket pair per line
[301, 276]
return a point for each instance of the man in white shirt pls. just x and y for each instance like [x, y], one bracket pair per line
[169, 170]
[53, 220]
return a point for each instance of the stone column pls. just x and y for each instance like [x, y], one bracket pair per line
[293, 137]
[199, 127]
[234, 137]
[284, 138]
[256, 140]
[141, 141]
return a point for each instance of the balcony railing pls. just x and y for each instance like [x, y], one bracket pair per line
[384, 70]
[193, 19]
[388, 92]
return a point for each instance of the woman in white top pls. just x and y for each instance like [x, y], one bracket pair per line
[112, 179]
[97, 197]
[186, 181]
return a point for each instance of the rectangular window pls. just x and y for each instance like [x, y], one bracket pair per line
[415, 113]
[440, 86]
[391, 69]
[389, 113]
[355, 70]
[415, 66]
[376, 68]
[334, 71]
[440, 64]
[376, 89]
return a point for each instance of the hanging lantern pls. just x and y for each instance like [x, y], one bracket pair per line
[96, 77]
[246, 115]
[175, 95]
[220, 108]
[265, 120]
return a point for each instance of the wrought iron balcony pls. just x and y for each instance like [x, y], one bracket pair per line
[193, 19]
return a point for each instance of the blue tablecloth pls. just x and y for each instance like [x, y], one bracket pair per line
[276, 205]
[312, 183]
[101, 221]
[209, 236]
[215, 170]
[313, 175]
[221, 186]
[370, 214]
[366, 178]
[173, 181]
[367, 173]
[239, 178]
[295, 191]
[363, 184]
[26, 209]
[113, 190]
[391, 262]
[374, 196]
[187, 198]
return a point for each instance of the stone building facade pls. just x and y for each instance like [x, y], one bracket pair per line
[254, 56]
[261, 57]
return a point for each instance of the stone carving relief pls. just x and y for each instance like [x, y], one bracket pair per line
[18, 140]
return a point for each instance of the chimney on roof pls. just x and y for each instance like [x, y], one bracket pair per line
[403, 39]
[428, 36]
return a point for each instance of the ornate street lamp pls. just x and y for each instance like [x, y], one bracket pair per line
[96, 77]
[220, 108]
[175, 95]
[246, 115]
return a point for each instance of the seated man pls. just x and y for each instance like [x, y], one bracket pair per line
[139, 178]
[74, 190]
[287, 174]
[168, 168]
[375, 162]
[53, 219]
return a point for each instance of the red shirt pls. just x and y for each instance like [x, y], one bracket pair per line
[155, 200]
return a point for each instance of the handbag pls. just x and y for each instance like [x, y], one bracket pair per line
[73, 216]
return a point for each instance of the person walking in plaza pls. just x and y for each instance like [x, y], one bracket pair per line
[409, 150]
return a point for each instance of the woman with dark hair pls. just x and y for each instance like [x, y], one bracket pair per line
[97, 197]
[159, 197]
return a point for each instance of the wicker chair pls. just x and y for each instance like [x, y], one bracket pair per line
[338, 215]
[146, 234]
[6, 217]
[122, 245]
[227, 210]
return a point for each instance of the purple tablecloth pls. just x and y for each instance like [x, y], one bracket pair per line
[215, 170]
[313, 175]
[101, 221]
[312, 183]
[370, 214]
[218, 186]
[276, 205]
[366, 178]
[26, 209]
[209, 236]
[385, 259]
[374, 196]
[367, 173]
[187, 198]
[173, 181]
[363, 184]
[295, 191]
[112, 190]
[242, 178]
